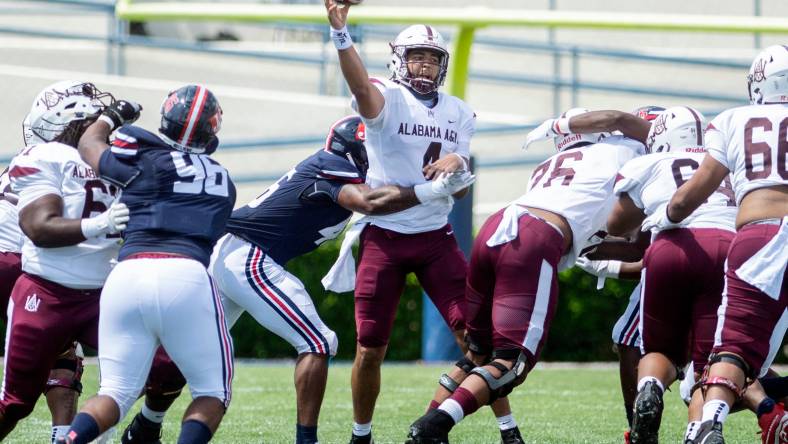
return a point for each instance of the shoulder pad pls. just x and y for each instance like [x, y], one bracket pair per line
[334, 167]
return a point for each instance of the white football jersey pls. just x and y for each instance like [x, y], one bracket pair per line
[10, 234]
[55, 168]
[403, 139]
[751, 142]
[578, 185]
[651, 180]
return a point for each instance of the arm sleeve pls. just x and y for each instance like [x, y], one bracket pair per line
[324, 191]
[378, 121]
[118, 164]
[467, 130]
[716, 144]
[35, 174]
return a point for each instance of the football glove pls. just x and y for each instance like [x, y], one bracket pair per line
[445, 185]
[120, 113]
[601, 269]
[546, 130]
[659, 220]
[111, 221]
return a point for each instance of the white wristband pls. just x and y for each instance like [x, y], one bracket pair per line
[614, 268]
[424, 192]
[107, 120]
[561, 126]
[341, 38]
[94, 226]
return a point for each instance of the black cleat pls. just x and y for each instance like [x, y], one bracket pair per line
[141, 431]
[366, 439]
[432, 428]
[710, 432]
[648, 415]
[511, 436]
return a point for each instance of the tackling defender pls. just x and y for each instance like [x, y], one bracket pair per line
[66, 252]
[414, 133]
[180, 199]
[512, 287]
[748, 142]
[309, 205]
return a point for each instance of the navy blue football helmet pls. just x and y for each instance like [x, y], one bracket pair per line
[648, 112]
[346, 138]
[190, 118]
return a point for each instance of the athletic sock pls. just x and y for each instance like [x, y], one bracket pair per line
[692, 431]
[765, 406]
[306, 434]
[194, 432]
[83, 429]
[453, 409]
[715, 410]
[152, 415]
[506, 422]
[646, 379]
[59, 431]
[362, 429]
[466, 399]
[433, 405]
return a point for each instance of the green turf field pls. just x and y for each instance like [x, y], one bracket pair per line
[553, 406]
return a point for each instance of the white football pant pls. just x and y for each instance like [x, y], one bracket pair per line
[250, 280]
[170, 302]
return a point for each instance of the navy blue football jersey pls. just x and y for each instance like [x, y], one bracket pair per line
[299, 211]
[178, 202]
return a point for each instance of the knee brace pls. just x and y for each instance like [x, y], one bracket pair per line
[729, 358]
[72, 363]
[475, 347]
[509, 379]
[466, 365]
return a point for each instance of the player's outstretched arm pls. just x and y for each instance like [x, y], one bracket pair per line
[696, 190]
[610, 120]
[391, 199]
[369, 99]
[373, 201]
[95, 140]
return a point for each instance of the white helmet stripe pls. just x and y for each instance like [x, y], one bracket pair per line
[194, 116]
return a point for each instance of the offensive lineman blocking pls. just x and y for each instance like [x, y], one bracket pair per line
[180, 200]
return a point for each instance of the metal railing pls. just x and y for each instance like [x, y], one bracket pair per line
[117, 39]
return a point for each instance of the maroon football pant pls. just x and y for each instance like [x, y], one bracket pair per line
[45, 319]
[10, 269]
[751, 324]
[164, 379]
[684, 277]
[385, 258]
[512, 289]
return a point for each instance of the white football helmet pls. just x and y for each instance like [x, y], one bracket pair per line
[566, 141]
[418, 37]
[767, 81]
[677, 129]
[60, 104]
